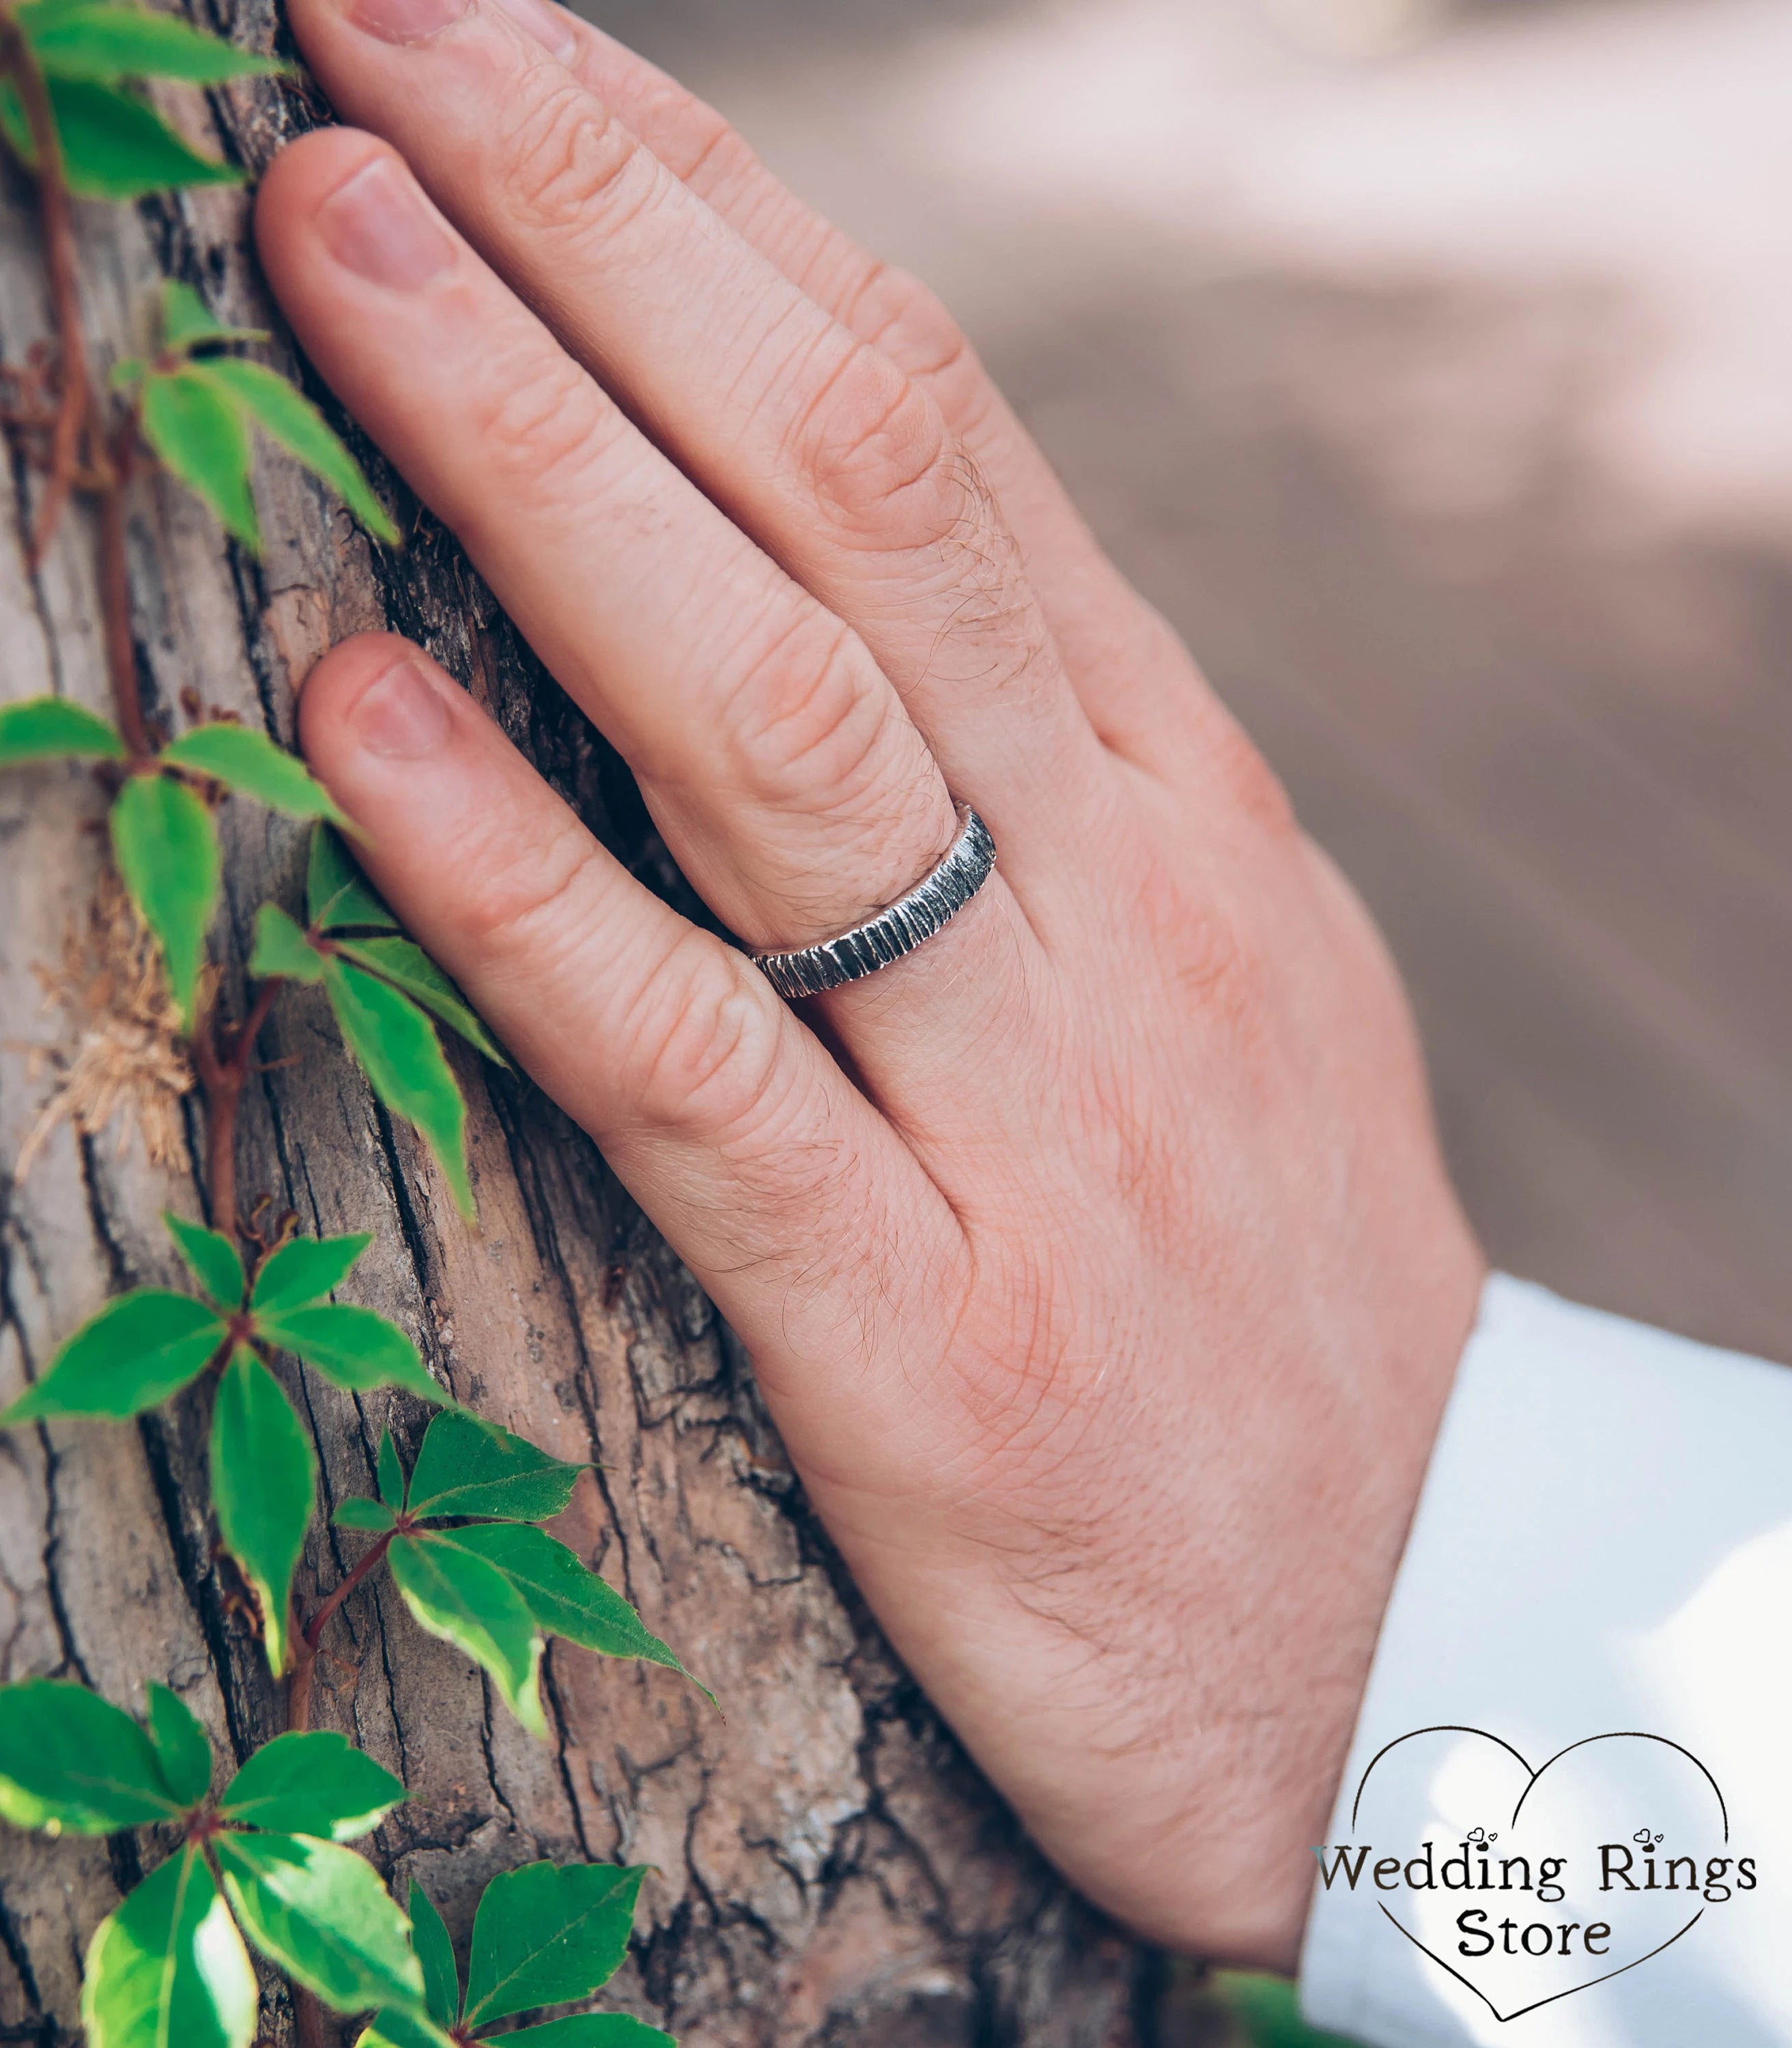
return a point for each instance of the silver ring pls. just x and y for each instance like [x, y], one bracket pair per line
[910, 922]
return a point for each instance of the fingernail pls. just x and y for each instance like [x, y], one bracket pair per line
[402, 716]
[378, 226]
[406, 20]
[551, 26]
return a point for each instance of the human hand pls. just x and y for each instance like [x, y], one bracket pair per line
[1096, 1261]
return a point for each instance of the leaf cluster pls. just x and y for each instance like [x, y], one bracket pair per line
[143, 1347]
[199, 410]
[169, 1968]
[542, 1936]
[470, 1563]
[382, 988]
[264, 1867]
[94, 55]
[165, 831]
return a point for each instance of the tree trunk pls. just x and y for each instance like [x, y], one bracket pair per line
[828, 1867]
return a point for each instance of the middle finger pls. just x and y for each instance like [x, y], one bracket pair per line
[838, 465]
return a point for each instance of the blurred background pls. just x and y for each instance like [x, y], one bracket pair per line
[1430, 363]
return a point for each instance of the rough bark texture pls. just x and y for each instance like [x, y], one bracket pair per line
[829, 1869]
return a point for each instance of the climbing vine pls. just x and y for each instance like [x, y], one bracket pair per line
[264, 1865]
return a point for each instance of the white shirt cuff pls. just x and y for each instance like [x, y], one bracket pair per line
[1603, 1547]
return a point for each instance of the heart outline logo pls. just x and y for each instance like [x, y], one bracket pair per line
[1532, 1777]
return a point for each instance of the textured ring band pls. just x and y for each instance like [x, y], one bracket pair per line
[910, 922]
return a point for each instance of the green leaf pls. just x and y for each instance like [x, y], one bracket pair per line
[338, 895]
[398, 1052]
[544, 1936]
[137, 1352]
[99, 40]
[471, 1604]
[321, 1913]
[566, 1597]
[185, 316]
[181, 1745]
[394, 2028]
[593, 2030]
[285, 414]
[390, 1472]
[306, 1268]
[358, 1512]
[50, 728]
[353, 1346]
[407, 966]
[467, 1467]
[317, 1784]
[165, 842]
[167, 1968]
[72, 1763]
[281, 949]
[199, 436]
[250, 762]
[441, 1981]
[264, 1481]
[114, 145]
[186, 321]
[213, 1259]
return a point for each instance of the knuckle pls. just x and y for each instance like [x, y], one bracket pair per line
[874, 447]
[699, 1048]
[565, 157]
[899, 315]
[811, 727]
[530, 899]
[699, 148]
[544, 425]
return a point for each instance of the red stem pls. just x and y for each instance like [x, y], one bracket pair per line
[222, 1075]
[298, 1698]
[113, 472]
[77, 413]
[54, 210]
[222, 1058]
[308, 2019]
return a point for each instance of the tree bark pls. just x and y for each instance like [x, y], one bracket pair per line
[828, 1867]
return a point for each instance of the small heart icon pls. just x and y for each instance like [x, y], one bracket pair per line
[1570, 1890]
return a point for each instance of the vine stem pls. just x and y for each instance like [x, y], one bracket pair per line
[112, 473]
[222, 1075]
[105, 469]
[298, 1698]
[105, 473]
[308, 2018]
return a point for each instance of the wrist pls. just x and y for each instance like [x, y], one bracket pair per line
[1304, 1631]
[1354, 1559]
